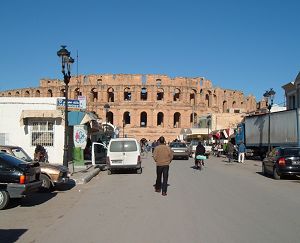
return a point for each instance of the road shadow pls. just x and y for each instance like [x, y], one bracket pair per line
[11, 235]
[31, 200]
[65, 187]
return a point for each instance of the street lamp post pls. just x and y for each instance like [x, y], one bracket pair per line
[269, 95]
[208, 124]
[106, 108]
[66, 62]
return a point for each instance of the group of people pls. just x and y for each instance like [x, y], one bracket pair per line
[241, 149]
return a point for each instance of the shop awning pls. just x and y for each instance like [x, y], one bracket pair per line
[88, 117]
[40, 114]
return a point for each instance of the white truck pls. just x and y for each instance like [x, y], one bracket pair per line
[254, 131]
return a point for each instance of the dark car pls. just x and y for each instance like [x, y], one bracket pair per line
[52, 175]
[180, 150]
[282, 161]
[17, 178]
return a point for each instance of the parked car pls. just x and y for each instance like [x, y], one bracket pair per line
[123, 153]
[17, 178]
[52, 175]
[180, 150]
[282, 161]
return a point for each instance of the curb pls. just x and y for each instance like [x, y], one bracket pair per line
[85, 179]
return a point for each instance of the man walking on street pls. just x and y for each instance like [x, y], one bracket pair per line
[163, 156]
[242, 150]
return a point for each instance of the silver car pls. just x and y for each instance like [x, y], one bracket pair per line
[180, 150]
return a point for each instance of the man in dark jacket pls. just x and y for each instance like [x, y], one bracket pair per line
[200, 150]
[230, 150]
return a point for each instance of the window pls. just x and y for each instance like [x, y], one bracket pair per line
[42, 133]
[123, 146]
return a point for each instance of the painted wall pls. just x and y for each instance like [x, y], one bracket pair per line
[18, 134]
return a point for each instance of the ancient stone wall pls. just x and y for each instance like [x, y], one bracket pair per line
[146, 105]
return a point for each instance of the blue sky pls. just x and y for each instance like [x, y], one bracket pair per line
[245, 45]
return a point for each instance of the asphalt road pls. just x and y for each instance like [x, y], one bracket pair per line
[223, 203]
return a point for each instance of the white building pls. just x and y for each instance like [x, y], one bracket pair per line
[28, 121]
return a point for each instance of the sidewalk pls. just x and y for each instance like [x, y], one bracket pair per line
[83, 174]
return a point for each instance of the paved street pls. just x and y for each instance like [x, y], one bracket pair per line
[223, 203]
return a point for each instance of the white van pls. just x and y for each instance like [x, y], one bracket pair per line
[123, 153]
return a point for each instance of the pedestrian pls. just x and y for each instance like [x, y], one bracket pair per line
[154, 144]
[163, 156]
[200, 150]
[230, 149]
[241, 150]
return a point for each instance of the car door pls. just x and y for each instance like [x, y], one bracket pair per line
[131, 151]
[268, 161]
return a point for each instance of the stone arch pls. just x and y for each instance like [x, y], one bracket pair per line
[207, 101]
[144, 93]
[193, 97]
[160, 94]
[158, 83]
[93, 95]
[127, 94]
[215, 100]
[177, 94]
[110, 95]
[143, 119]
[126, 118]
[27, 93]
[49, 93]
[177, 120]
[17, 93]
[234, 104]
[37, 93]
[9, 94]
[225, 107]
[77, 93]
[110, 117]
[193, 119]
[160, 119]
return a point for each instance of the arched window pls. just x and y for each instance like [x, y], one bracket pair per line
[49, 93]
[37, 93]
[127, 94]
[126, 118]
[233, 104]
[77, 93]
[160, 119]
[110, 95]
[177, 120]
[110, 117]
[143, 119]
[193, 97]
[27, 94]
[207, 100]
[17, 93]
[176, 95]
[160, 94]
[9, 94]
[93, 95]
[193, 119]
[144, 93]
[158, 83]
[225, 108]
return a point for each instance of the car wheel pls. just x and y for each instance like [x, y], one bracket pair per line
[139, 170]
[263, 169]
[108, 171]
[4, 199]
[276, 176]
[46, 183]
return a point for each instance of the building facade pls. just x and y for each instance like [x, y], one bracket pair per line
[146, 106]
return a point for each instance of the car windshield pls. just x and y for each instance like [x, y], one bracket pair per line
[291, 152]
[21, 154]
[178, 145]
[12, 160]
[123, 146]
